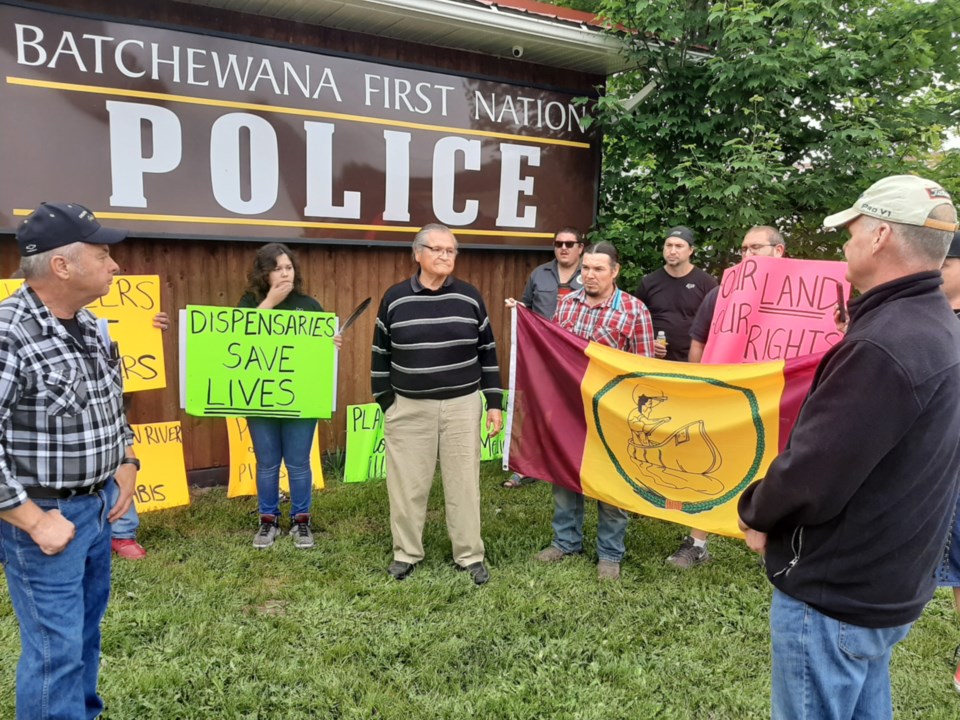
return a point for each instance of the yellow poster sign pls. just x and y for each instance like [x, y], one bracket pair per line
[129, 308]
[243, 463]
[9, 287]
[162, 480]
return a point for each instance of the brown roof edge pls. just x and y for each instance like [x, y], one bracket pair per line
[553, 12]
[576, 17]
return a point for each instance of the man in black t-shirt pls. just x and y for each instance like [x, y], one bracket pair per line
[763, 241]
[674, 292]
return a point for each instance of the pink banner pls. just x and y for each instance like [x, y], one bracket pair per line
[776, 309]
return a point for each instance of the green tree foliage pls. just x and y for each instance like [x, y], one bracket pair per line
[592, 6]
[770, 112]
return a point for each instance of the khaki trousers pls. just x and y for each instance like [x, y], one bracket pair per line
[415, 431]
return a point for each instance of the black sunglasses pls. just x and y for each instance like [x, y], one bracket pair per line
[565, 243]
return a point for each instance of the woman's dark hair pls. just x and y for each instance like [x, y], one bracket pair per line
[258, 279]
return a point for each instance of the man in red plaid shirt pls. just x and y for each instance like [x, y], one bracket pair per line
[602, 313]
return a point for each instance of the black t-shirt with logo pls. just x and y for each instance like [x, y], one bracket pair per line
[673, 303]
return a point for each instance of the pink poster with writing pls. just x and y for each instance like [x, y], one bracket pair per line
[776, 309]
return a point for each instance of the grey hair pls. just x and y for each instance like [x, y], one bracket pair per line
[37, 266]
[928, 245]
[774, 236]
[420, 239]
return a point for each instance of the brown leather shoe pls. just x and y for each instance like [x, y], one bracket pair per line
[552, 554]
[607, 570]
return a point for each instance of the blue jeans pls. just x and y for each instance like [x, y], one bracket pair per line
[824, 669]
[948, 574]
[59, 601]
[289, 440]
[124, 527]
[568, 525]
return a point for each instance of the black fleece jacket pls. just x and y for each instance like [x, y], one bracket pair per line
[858, 505]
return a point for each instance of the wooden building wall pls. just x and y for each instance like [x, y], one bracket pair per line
[213, 272]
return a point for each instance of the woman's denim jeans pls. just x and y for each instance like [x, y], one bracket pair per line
[289, 440]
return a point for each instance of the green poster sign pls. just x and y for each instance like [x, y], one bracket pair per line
[491, 447]
[262, 363]
[366, 459]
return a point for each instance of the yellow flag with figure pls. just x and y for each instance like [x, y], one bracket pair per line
[671, 440]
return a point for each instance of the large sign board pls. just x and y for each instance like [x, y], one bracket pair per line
[173, 132]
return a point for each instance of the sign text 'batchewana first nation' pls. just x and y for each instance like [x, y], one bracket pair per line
[173, 132]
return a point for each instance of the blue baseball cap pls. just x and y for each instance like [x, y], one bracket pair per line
[54, 225]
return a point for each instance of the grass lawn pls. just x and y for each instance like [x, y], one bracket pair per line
[208, 627]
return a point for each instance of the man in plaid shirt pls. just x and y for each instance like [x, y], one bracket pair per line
[602, 313]
[63, 435]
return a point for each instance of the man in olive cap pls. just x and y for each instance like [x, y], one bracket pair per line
[852, 515]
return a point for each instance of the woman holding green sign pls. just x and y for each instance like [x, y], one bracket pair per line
[275, 283]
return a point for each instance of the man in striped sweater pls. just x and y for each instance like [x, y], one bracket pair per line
[433, 353]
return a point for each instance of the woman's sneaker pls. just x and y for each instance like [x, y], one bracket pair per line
[267, 532]
[301, 532]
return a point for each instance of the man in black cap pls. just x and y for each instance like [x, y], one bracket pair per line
[759, 241]
[673, 293]
[63, 435]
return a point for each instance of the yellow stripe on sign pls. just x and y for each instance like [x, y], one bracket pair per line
[278, 109]
[200, 219]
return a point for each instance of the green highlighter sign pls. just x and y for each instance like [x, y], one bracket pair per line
[366, 459]
[260, 363]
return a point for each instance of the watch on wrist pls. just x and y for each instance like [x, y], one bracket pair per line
[131, 461]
